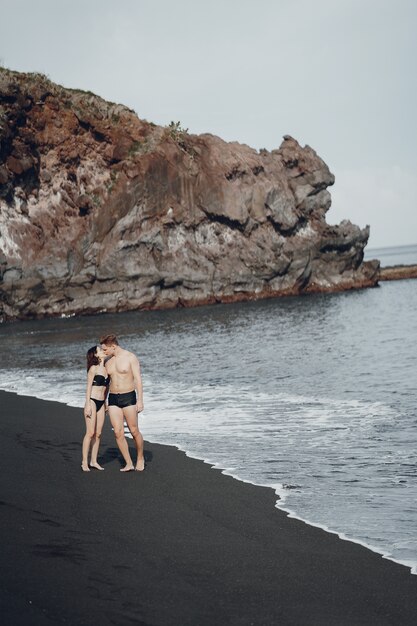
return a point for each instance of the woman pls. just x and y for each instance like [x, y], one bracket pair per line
[94, 411]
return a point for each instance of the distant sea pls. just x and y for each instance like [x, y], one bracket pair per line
[314, 396]
[398, 255]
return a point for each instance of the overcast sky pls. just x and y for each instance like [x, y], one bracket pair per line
[339, 75]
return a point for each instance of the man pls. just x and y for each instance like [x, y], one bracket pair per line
[125, 398]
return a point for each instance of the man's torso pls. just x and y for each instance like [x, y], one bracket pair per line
[119, 369]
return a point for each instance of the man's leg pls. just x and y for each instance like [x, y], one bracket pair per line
[131, 418]
[116, 419]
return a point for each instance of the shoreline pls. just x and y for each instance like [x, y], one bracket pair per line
[386, 273]
[212, 300]
[279, 492]
[280, 505]
[176, 544]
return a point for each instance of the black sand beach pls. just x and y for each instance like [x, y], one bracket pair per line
[180, 544]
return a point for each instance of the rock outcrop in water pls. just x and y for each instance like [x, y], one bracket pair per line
[103, 211]
[398, 272]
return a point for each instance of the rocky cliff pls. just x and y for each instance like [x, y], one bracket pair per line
[103, 211]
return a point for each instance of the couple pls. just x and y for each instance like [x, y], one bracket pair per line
[117, 371]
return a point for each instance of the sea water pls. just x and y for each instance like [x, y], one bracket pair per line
[394, 255]
[314, 396]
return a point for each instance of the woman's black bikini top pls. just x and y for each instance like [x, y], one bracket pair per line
[100, 381]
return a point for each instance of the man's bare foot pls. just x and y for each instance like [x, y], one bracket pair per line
[96, 466]
[140, 465]
[127, 468]
[85, 467]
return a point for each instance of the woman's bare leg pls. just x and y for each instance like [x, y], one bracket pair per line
[90, 427]
[96, 439]
[116, 418]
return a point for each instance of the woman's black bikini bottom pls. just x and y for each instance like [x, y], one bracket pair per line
[98, 403]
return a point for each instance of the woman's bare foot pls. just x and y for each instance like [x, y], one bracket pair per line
[96, 466]
[85, 467]
[140, 465]
[127, 468]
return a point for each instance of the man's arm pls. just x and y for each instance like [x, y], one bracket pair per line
[106, 391]
[137, 377]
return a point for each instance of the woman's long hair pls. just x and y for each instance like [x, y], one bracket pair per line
[92, 358]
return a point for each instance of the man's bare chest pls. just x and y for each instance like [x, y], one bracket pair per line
[120, 366]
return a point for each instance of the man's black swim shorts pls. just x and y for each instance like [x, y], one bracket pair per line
[122, 400]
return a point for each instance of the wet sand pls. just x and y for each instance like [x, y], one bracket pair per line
[179, 544]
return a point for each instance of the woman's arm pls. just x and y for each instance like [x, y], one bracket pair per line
[90, 376]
